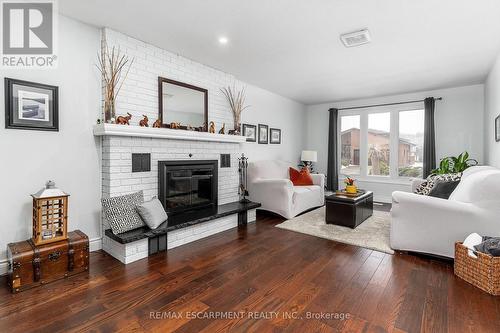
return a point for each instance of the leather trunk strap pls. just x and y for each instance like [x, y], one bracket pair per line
[36, 262]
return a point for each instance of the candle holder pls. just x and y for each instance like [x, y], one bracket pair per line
[50, 215]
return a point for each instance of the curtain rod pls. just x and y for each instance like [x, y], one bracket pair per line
[387, 104]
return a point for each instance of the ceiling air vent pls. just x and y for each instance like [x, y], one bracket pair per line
[356, 38]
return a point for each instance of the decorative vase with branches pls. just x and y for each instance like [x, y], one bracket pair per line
[114, 67]
[236, 100]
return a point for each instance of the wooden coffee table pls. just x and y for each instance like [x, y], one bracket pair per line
[348, 211]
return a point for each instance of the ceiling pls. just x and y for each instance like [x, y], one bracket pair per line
[292, 47]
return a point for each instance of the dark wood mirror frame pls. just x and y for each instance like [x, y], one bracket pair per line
[162, 80]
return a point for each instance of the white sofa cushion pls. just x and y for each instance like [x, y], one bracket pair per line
[269, 170]
[478, 186]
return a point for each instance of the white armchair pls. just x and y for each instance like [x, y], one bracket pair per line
[269, 184]
[432, 225]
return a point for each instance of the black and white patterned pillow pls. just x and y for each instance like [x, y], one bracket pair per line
[121, 212]
[426, 187]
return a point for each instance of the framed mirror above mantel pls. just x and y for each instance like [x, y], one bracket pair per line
[182, 105]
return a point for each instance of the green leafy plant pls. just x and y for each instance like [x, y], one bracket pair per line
[452, 164]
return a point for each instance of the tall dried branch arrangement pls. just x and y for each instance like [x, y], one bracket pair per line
[236, 100]
[114, 67]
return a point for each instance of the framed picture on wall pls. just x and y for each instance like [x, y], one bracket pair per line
[250, 132]
[263, 134]
[31, 106]
[497, 128]
[275, 136]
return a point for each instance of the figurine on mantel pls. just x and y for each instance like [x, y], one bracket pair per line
[175, 125]
[212, 127]
[222, 130]
[157, 123]
[144, 121]
[202, 128]
[121, 120]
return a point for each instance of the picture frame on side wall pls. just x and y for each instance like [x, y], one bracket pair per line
[31, 106]
[497, 128]
[250, 132]
[275, 136]
[263, 134]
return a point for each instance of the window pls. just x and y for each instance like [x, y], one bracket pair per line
[411, 143]
[349, 145]
[382, 142]
[379, 143]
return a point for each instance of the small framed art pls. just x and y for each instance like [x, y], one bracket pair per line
[250, 132]
[275, 136]
[31, 106]
[263, 134]
[497, 128]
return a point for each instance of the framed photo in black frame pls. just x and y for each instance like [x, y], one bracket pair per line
[263, 134]
[250, 132]
[275, 136]
[31, 106]
[497, 128]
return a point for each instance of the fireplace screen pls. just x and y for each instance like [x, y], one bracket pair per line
[187, 185]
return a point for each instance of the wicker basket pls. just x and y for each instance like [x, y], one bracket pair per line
[483, 271]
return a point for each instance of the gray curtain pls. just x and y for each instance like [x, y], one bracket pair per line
[429, 137]
[332, 180]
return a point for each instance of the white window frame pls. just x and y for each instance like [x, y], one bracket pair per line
[363, 113]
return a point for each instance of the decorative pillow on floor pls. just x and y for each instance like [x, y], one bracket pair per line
[121, 212]
[152, 213]
[426, 187]
[300, 178]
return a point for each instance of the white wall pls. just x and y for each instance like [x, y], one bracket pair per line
[70, 157]
[276, 112]
[492, 110]
[458, 119]
[139, 96]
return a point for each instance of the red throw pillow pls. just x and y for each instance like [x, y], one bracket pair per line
[300, 178]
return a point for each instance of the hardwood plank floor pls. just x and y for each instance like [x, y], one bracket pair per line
[268, 280]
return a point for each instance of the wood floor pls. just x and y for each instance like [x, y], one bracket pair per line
[258, 272]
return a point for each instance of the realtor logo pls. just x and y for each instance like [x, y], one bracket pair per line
[28, 34]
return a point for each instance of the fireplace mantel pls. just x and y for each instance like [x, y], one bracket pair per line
[163, 133]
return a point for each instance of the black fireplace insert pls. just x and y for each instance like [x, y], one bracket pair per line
[187, 185]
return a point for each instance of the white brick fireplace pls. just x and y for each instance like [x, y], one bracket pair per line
[120, 141]
[139, 96]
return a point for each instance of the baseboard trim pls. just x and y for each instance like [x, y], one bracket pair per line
[95, 244]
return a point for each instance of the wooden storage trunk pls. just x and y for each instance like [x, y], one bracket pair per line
[31, 265]
[482, 272]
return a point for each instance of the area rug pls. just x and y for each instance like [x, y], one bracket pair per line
[372, 234]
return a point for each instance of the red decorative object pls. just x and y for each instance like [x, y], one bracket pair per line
[349, 181]
[300, 178]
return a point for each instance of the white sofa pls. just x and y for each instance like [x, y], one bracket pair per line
[269, 183]
[432, 225]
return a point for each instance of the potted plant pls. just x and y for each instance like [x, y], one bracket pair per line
[452, 164]
[349, 185]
